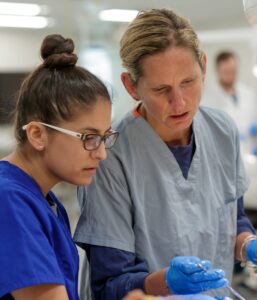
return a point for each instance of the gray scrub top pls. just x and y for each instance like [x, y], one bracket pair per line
[140, 202]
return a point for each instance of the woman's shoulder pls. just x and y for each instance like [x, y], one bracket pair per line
[125, 122]
[216, 118]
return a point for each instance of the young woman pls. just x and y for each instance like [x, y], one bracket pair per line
[173, 185]
[63, 126]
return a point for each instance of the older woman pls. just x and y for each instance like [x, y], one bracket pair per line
[172, 187]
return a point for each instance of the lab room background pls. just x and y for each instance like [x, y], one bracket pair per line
[96, 27]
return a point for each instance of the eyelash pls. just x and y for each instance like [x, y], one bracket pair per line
[161, 90]
[188, 81]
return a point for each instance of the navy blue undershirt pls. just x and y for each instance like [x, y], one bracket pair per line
[115, 272]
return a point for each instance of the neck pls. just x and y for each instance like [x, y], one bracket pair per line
[229, 88]
[31, 163]
[169, 136]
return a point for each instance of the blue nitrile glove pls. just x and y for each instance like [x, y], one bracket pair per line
[253, 129]
[184, 276]
[254, 150]
[251, 251]
[223, 298]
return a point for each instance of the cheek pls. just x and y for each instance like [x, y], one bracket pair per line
[156, 105]
[195, 94]
[65, 153]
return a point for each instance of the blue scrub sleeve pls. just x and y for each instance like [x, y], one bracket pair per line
[26, 257]
[243, 223]
[115, 272]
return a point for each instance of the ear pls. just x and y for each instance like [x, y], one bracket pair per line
[36, 135]
[129, 85]
[204, 62]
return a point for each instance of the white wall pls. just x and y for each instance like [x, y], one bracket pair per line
[20, 49]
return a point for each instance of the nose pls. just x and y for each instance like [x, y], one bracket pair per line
[176, 100]
[100, 153]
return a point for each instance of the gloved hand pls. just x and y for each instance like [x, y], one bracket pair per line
[251, 251]
[184, 276]
[253, 129]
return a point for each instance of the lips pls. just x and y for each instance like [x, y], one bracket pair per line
[181, 116]
[91, 168]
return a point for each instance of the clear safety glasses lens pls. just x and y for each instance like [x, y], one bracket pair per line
[93, 141]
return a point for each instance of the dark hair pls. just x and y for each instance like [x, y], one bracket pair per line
[56, 88]
[224, 55]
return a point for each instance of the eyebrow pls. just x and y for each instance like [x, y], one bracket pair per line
[94, 130]
[162, 86]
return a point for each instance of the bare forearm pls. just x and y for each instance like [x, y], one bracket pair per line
[155, 284]
[239, 243]
[41, 292]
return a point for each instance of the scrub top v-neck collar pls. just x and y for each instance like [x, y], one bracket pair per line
[164, 150]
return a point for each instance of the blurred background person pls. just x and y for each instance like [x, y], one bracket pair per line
[230, 95]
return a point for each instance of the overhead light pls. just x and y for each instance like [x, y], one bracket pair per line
[23, 21]
[118, 15]
[19, 9]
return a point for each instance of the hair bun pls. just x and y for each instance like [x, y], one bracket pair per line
[57, 52]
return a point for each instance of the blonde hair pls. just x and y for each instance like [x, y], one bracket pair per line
[153, 32]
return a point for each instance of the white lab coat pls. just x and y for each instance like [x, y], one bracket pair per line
[244, 113]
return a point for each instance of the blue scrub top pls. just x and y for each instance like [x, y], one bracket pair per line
[35, 244]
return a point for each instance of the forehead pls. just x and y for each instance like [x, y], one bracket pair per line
[96, 116]
[174, 61]
[230, 62]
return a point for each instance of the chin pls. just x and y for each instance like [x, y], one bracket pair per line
[86, 181]
[81, 181]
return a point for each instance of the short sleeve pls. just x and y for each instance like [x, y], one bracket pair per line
[106, 218]
[26, 255]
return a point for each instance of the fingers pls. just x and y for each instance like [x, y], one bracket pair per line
[190, 264]
[209, 275]
[208, 285]
[189, 274]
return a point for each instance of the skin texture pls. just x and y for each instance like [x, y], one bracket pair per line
[50, 157]
[170, 90]
[42, 292]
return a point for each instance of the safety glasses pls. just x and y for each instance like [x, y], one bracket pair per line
[90, 141]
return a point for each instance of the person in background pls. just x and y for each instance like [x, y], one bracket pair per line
[168, 201]
[230, 95]
[62, 127]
